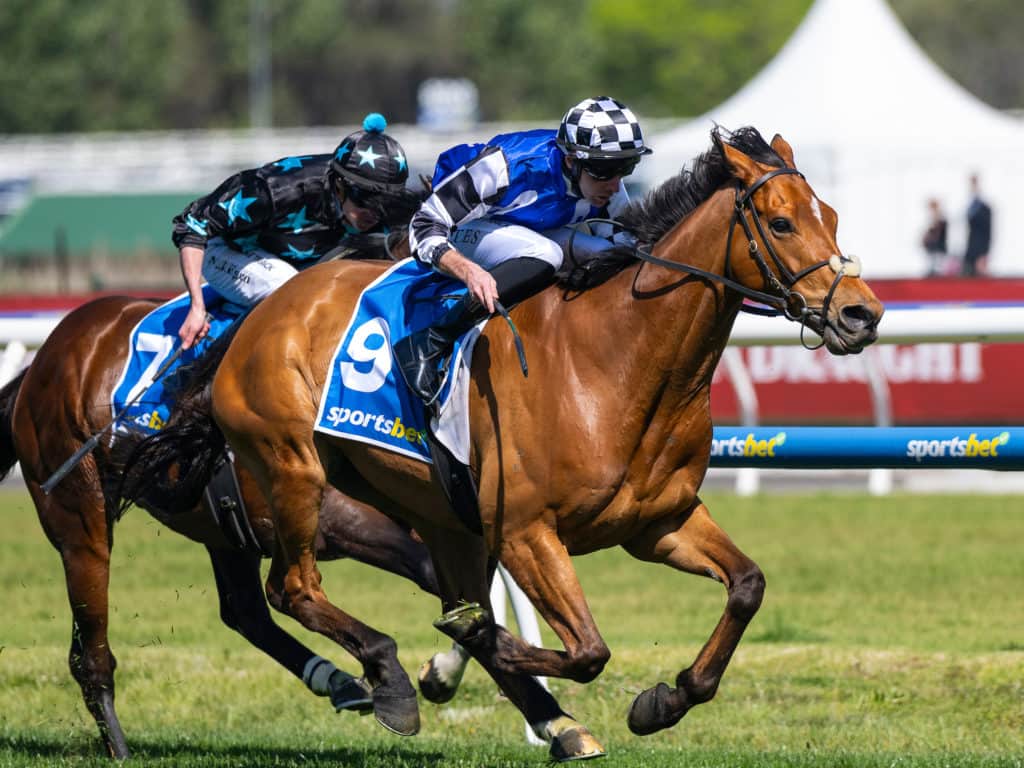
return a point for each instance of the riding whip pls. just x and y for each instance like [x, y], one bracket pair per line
[87, 447]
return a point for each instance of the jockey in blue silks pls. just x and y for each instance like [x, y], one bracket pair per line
[499, 216]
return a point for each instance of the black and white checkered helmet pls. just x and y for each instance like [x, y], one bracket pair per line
[601, 128]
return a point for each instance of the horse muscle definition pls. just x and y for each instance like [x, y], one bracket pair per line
[605, 444]
[63, 398]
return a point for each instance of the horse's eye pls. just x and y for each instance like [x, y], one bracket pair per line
[780, 225]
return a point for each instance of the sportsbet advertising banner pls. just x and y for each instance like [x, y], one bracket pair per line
[868, 447]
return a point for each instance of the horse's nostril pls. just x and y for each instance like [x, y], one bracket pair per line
[857, 317]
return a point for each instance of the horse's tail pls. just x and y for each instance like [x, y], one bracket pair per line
[170, 469]
[8, 395]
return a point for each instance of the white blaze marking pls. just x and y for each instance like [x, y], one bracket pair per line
[817, 209]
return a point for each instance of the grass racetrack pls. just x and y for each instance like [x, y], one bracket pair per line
[891, 634]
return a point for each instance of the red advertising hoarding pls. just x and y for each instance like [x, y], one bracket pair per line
[929, 383]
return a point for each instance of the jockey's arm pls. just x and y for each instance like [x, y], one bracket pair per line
[196, 325]
[467, 194]
[479, 281]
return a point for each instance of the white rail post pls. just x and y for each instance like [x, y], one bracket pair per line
[748, 481]
[526, 620]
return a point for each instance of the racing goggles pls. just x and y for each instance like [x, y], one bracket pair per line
[606, 169]
[361, 197]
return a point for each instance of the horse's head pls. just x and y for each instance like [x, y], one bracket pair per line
[783, 243]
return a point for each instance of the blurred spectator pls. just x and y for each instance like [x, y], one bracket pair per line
[934, 239]
[979, 233]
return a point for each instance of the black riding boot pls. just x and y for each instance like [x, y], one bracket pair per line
[419, 355]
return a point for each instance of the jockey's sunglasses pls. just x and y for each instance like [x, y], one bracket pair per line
[603, 170]
[360, 197]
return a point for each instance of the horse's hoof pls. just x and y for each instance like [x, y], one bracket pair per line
[655, 709]
[439, 677]
[353, 693]
[399, 714]
[569, 740]
[463, 621]
[575, 744]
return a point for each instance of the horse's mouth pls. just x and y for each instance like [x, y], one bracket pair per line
[840, 340]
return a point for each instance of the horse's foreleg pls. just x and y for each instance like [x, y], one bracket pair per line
[75, 521]
[293, 587]
[464, 579]
[243, 608]
[541, 566]
[696, 544]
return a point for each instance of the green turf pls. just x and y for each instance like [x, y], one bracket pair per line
[892, 634]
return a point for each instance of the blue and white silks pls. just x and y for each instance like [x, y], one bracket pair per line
[365, 397]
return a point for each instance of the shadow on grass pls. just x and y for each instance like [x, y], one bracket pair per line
[83, 751]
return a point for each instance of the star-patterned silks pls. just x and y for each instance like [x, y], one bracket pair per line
[237, 207]
[295, 253]
[343, 150]
[368, 157]
[400, 159]
[295, 221]
[247, 244]
[292, 163]
[197, 225]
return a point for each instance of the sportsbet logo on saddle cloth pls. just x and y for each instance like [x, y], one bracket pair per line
[365, 397]
[154, 340]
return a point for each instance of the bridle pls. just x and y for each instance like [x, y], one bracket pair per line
[781, 297]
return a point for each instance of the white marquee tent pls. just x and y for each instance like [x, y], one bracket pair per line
[877, 128]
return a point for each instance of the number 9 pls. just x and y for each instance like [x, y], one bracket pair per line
[359, 350]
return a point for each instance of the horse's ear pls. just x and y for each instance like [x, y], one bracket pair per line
[743, 167]
[783, 150]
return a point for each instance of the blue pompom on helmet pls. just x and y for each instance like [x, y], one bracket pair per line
[370, 159]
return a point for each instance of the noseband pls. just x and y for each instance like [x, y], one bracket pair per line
[781, 298]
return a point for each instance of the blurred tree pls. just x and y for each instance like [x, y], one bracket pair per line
[68, 66]
[530, 59]
[682, 57]
[119, 64]
[977, 42]
[334, 62]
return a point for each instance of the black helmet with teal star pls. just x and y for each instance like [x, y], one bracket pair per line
[370, 159]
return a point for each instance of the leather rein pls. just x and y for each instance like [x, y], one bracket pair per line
[781, 298]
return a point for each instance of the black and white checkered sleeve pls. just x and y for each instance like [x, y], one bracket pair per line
[466, 194]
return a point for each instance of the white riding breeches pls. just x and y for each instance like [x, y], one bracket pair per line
[243, 278]
[488, 242]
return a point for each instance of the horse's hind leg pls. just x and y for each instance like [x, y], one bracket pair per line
[243, 608]
[75, 520]
[293, 587]
[355, 529]
[694, 543]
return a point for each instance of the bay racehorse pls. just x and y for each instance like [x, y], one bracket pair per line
[605, 444]
[63, 398]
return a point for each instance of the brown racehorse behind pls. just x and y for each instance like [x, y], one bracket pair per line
[61, 400]
[605, 444]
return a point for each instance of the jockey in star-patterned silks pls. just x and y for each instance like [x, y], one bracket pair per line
[497, 219]
[262, 226]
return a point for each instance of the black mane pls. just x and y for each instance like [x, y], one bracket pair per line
[661, 209]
